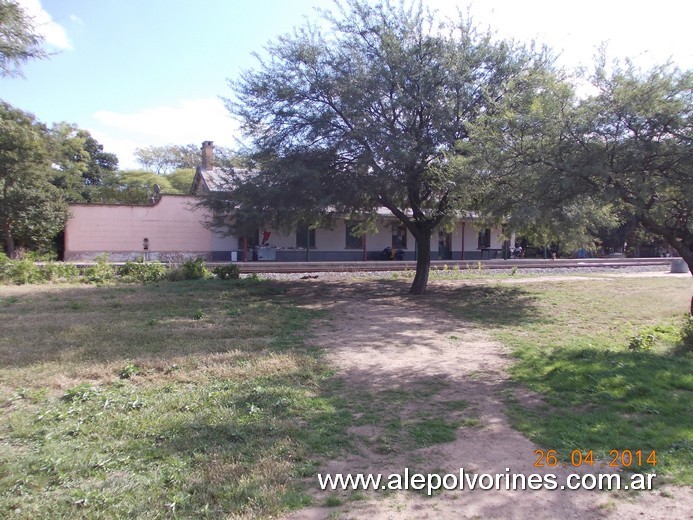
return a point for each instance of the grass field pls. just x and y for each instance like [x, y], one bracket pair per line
[195, 398]
[571, 340]
[201, 399]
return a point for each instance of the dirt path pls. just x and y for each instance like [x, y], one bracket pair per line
[412, 345]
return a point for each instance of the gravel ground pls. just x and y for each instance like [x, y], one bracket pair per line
[440, 274]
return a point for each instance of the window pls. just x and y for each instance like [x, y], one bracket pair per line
[353, 242]
[399, 236]
[484, 239]
[303, 233]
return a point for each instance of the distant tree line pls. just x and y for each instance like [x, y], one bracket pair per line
[164, 160]
[43, 169]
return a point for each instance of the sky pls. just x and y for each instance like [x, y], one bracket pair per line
[139, 73]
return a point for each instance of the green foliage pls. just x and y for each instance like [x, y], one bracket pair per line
[138, 186]
[79, 164]
[40, 171]
[140, 272]
[344, 120]
[19, 39]
[19, 272]
[685, 345]
[227, 272]
[619, 156]
[80, 393]
[32, 210]
[100, 273]
[59, 272]
[235, 439]
[181, 180]
[195, 269]
[26, 271]
[129, 370]
[642, 342]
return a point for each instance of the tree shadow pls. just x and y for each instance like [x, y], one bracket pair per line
[88, 324]
[484, 304]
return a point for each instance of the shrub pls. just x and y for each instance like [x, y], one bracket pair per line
[99, 273]
[139, 272]
[686, 344]
[227, 272]
[59, 272]
[195, 269]
[19, 271]
[642, 342]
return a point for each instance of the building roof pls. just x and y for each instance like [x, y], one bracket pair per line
[206, 181]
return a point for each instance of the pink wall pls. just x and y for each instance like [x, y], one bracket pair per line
[171, 226]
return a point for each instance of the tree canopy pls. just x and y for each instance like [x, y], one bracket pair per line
[637, 134]
[42, 170]
[164, 160]
[624, 150]
[32, 210]
[365, 111]
[19, 41]
[80, 166]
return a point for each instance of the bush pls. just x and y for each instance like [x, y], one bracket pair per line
[686, 344]
[227, 272]
[642, 342]
[19, 271]
[192, 270]
[59, 272]
[139, 272]
[99, 273]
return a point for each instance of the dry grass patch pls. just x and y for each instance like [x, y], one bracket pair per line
[194, 399]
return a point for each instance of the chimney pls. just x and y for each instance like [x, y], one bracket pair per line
[207, 155]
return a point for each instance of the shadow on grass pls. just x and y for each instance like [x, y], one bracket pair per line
[605, 400]
[383, 424]
[495, 305]
[73, 325]
[227, 446]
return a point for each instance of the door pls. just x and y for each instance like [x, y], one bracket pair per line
[444, 245]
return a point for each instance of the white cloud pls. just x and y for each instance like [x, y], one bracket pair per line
[188, 121]
[54, 33]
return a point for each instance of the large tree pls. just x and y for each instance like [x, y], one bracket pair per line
[638, 134]
[80, 164]
[626, 147]
[364, 111]
[32, 210]
[19, 40]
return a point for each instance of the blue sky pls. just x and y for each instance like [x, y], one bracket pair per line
[151, 72]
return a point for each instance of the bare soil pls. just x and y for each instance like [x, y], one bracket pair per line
[380, 341]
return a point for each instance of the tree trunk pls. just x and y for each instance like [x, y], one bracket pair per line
[423, 262]
[9, 240]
